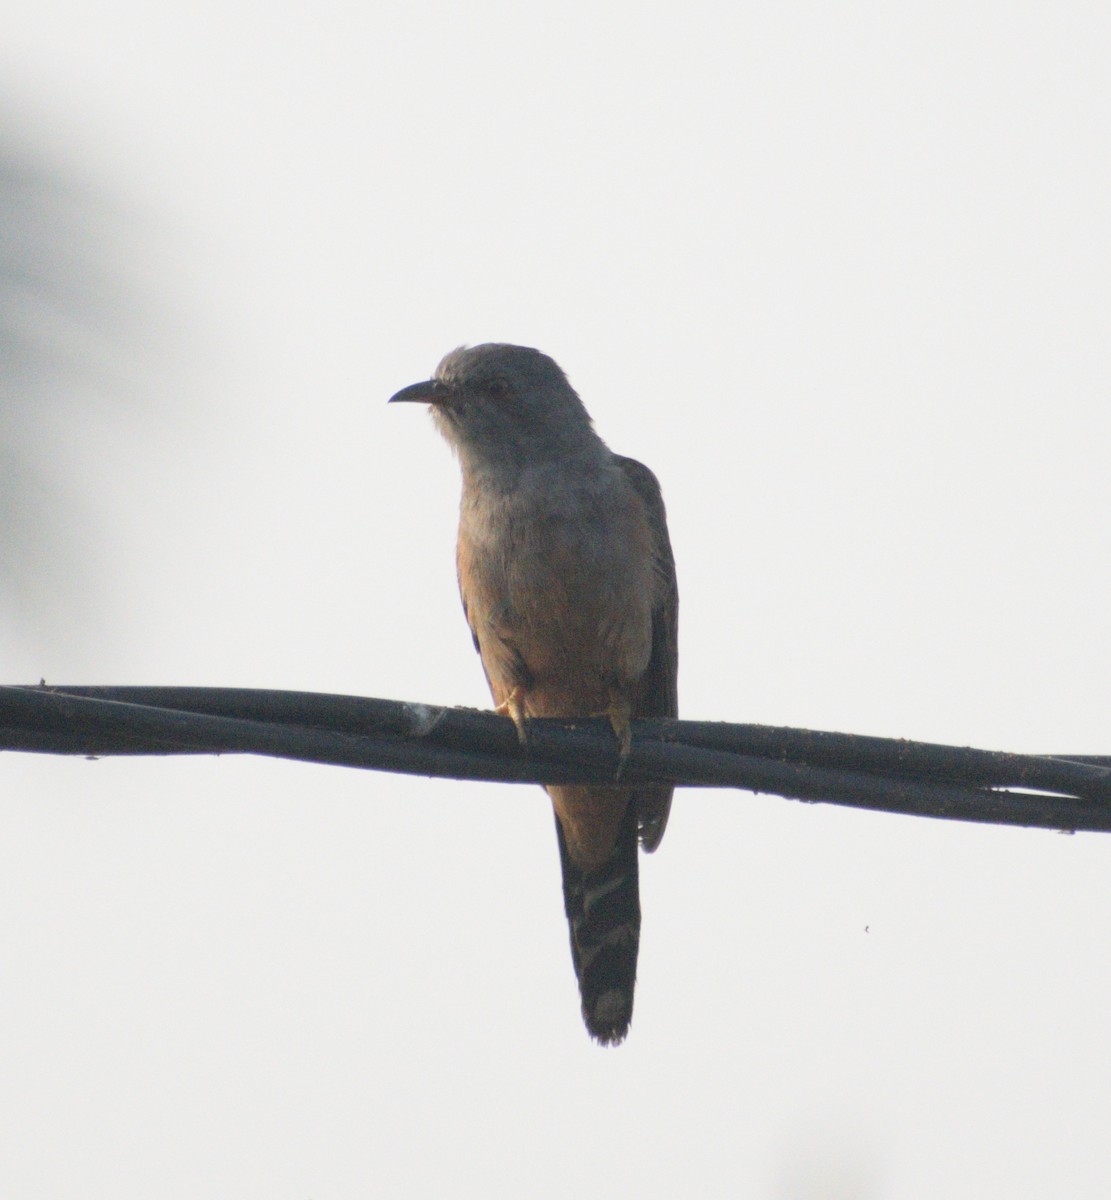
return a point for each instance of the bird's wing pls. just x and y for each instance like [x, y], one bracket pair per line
[659, 697]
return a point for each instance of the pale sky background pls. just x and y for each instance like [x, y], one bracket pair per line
[841, 275]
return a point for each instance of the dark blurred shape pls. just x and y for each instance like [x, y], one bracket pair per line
[67, 360]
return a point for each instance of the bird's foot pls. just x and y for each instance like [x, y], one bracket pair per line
[513, 706]
[620, 715]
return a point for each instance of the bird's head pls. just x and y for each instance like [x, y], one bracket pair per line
[501, 404]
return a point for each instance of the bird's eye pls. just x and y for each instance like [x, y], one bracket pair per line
[498, 386]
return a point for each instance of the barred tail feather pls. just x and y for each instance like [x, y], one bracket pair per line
[603, 911]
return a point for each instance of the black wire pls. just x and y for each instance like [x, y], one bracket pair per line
[1068, 792]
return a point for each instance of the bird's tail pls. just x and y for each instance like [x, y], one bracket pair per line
[603, 910]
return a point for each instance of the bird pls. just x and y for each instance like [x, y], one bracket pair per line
[568, 584]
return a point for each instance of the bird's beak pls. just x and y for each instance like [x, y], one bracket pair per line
[429, 391]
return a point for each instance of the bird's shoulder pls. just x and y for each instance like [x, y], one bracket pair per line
[644, 482]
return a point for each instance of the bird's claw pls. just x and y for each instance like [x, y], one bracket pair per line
[514, 708]
[620, 715]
